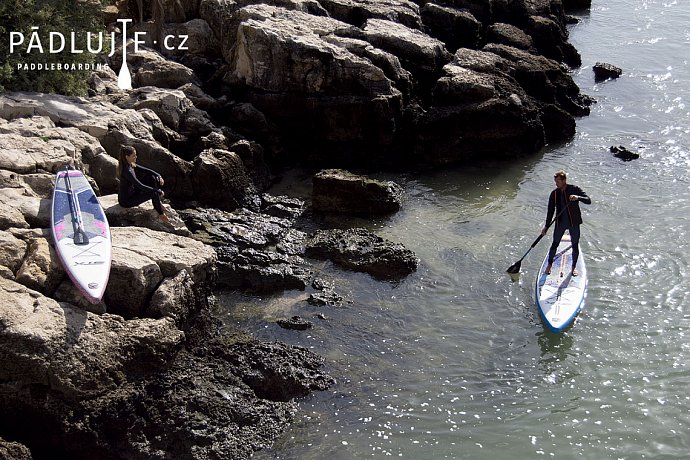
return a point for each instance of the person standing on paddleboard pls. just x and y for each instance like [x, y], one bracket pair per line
[138, 184]
[565, 197]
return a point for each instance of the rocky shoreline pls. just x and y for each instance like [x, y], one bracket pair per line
[150, 372]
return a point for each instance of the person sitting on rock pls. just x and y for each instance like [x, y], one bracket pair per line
[138, 184]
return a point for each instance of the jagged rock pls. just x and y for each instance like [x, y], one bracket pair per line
[95, 119]
[12, 251]
[624, 153]
[21, 208]
[252, 156]
[282, 207]
[604, 71]
[292, 38]
[14, 451]
[276, 371]
[252, 250]
[40, 269]
[360, 250]
[142, 258]
[219, 178]
[200, 39]
[510, 35]
[418, 52]
[295, 323]
[174, 298]
[30, 145]
[357, 13]
[170, 105]
[576, 4]
[340, 191]
[72, 352]
[456, 27]
[326, 294]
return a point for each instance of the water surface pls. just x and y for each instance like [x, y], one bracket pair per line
[453, 361]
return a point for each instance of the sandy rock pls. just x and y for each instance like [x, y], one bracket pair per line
[41, 269]
[12, 251]
[133, 279]
[21, 208]
[300, 59]
[171, 253]
[419, 52]
[173, 298]
[73, 352]
[95, 119]
[144, 216]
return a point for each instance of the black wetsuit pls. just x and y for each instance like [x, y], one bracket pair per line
[137, 185]
[569, 220]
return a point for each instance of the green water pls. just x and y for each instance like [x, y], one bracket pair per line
[453, 361]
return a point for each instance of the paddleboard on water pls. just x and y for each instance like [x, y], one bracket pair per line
[81, 234]
[560, 296]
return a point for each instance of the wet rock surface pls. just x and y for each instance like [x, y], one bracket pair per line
[360, 250]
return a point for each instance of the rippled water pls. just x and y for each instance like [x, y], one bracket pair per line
[453, 362]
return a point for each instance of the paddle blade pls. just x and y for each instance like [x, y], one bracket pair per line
[80, 238]
[515, 268]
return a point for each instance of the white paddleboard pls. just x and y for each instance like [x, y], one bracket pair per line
[560, 296]
[86, 263]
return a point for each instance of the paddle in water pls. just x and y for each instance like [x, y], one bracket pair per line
[515, 268]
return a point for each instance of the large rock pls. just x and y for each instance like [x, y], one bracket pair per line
[142, 258]
[221, 180]
[358, 12]
[360, 250]
[256, 252]
[339, 191]
[74, 353]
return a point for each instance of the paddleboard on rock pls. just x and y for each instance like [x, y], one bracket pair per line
[81, 234]
[560, 296]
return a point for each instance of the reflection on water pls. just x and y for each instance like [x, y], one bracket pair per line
[453, 361]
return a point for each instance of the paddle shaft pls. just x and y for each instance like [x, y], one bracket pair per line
[542, 235]
[76, 212]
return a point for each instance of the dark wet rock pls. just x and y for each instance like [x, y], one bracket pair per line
[261, 271]
[295, 323]
[340, 191]
[253, 249]
[604, 71]
[14, 451]
[325, 295]
[624, 153]
[276, 371]
[360, 250]
[456, 27]
[576, 4]
[282, 207]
